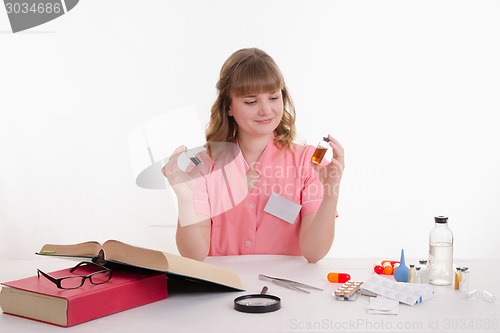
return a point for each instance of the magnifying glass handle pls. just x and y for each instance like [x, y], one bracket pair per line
[264, 290]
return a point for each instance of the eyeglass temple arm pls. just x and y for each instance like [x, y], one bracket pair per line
[88, 263]
[79, 264]
[51, 278]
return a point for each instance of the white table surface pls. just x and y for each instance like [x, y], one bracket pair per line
[319, 311]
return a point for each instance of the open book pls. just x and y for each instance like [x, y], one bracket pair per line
[120, 253]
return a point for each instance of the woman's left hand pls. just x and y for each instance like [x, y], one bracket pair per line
[331, 173]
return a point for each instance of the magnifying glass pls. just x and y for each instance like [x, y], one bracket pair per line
[257, 303]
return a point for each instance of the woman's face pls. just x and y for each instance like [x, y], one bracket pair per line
[257, 114]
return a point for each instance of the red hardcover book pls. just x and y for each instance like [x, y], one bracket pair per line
[38, 298]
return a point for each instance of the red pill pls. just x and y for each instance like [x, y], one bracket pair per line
[378, 269]
[338, 277]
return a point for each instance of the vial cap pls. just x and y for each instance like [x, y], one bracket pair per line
[441, 219]
[326, 139]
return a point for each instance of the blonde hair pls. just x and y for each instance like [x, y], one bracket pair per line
[245, 72]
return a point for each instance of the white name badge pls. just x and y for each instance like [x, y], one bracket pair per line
[283, 208]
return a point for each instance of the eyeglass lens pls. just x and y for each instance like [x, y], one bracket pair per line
[77, 281]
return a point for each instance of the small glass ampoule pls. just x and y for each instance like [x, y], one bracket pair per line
[472, 294]
[320, 151]
[487, 296]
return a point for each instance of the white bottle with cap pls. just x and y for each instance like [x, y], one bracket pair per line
[440, 253]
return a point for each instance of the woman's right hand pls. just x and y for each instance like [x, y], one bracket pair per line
[181, 181]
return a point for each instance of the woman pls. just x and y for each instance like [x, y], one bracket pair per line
[258, 192]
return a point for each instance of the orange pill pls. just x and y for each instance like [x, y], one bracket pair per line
[388, 269]
[338, 277]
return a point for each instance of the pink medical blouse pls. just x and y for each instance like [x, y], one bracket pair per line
[240, 225]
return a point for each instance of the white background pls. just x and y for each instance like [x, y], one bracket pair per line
[411, 90]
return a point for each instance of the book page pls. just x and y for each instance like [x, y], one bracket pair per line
[169, 263]
[87, 249]
[203, 271]
[32, 305]
[135, 256]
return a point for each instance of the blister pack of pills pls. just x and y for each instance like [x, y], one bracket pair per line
[348, 291]
[407, 293]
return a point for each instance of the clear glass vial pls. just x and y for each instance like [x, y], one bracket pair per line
[464, 279]
[441, 253]
[320, 151]
[424, 272]
[418, 276]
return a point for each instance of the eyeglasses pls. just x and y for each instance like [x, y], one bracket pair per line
[76, 281]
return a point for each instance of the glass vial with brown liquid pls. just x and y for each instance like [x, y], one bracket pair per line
[320, 151]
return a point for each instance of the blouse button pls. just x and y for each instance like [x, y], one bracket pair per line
[248, 243]
[251, 205]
